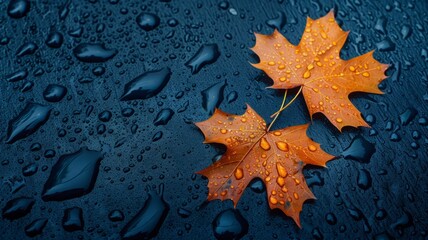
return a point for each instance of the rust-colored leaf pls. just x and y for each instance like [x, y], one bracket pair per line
[276, 157]
[315, 64]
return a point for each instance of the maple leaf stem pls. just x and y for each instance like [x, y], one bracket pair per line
[277, 115]
[288, 104]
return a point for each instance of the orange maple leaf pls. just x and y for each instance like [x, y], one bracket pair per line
[276, 157]
[316, 66]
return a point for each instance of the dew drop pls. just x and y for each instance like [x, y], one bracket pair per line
[264, 144]
[283, 146]
[296, 196]
[239, 174]
[312, 148]
[280, 181]
[273, 200]
[281, 170]
[307, 74]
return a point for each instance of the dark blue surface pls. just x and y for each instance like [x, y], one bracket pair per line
[376, 189]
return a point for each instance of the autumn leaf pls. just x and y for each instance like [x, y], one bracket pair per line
[316, 66]
[276, 157]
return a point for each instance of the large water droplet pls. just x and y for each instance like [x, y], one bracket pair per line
[26, 49]
[146, 85]
[364, 180]
[163, 117]
[205, 55]
[36, 227]
[93, 53]
[17, 76]
[54, 40]
[73, 219]
[385, 45]
[230, 224]
[32, 117]
[54, 92]
[213, 96]
[72, 176]
[278, 22]
[360, 149]
[149, 219]
[18, 207]
[18, 8]
[407, 116]
[148, 21]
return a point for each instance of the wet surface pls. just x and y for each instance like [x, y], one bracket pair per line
[98, 101]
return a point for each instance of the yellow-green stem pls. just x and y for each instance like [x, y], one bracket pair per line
[282, 105]
[288, 104]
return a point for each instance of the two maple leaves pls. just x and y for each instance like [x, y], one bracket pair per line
[277, 157]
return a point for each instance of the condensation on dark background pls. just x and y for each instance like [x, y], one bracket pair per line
[98, 100]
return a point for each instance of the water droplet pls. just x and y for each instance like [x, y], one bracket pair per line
[283, 146]
[407, 116]
[18, 207]
[163, 117]
[147, 222]
[73, 219]
[105, 116]
[381, 25]
[232, 96]
[307, 74]
[331, 218]
[54, 93]
[184, 213]
[339, 120]
[116, 216]
[146, 85]
[364, 180]
[26, 49]
[360, 149]
[280, 181]
[281, 170]
[381, 214]
[312, 148]
[406, 31]
[29, 169]
[273, 200]
[157, 136]
[18, 8]
[264, 144]
[385, 45]
[93, 52]
[296, 196]
[230, 224]
[278, 22]
[36, 227]
[31, 118]
[73, 175]
[17, 76]
[54, 40]
[206, 54]
[239, 173]
[213, 96]
[148, 21]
